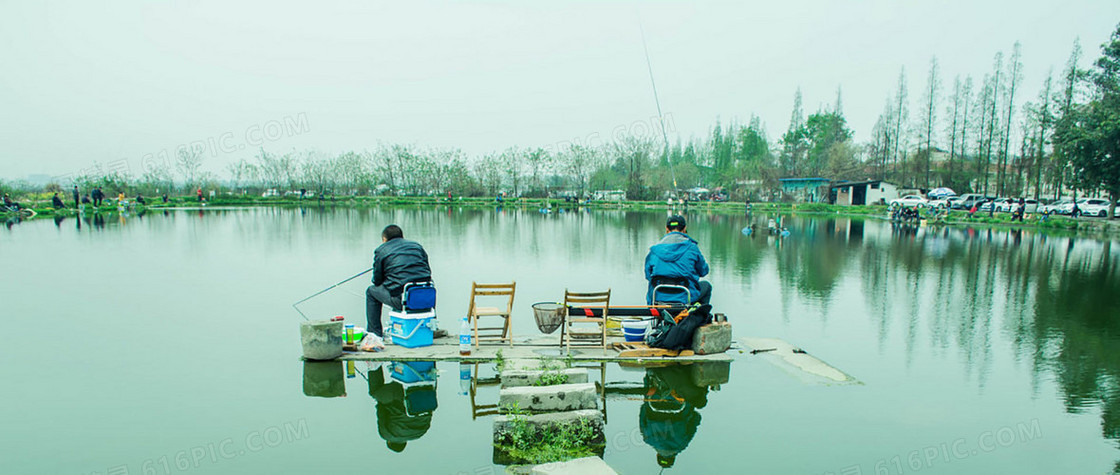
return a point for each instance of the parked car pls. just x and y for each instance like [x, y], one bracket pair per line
[954, 202]
[910, 201]
[1000, 204]
[1093, 207]
[1030, 206]
[1055, 207]
[940, 203]
[270, 193]
[970, 199]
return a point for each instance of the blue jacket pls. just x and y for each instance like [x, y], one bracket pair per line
[677, 256]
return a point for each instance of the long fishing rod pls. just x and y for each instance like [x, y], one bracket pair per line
[316, 294]
[657, 101]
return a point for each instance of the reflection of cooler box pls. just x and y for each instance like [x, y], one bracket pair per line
[419, 381]
[413, 371]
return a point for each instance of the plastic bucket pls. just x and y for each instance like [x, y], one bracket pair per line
[412, 330]
[635, 330]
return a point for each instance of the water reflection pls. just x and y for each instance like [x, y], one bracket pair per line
[668, 418]
[405, 402]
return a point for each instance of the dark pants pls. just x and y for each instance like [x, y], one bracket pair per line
[705, 297]
[376, 296]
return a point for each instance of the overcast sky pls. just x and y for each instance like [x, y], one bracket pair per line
[112, 82]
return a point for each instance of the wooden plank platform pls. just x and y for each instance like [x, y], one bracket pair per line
[538, 347]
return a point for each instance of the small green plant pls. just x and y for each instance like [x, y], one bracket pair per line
[499, 362]
[550, 378]
[532, 443]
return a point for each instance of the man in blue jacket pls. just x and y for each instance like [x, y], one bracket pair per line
[677, 260]
[397, 261]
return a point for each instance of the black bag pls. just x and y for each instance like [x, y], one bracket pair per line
[670, 335]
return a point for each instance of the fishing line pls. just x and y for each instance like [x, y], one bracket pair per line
[316, 294]
[657, 101]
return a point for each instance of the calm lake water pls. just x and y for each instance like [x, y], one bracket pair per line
[166, 343]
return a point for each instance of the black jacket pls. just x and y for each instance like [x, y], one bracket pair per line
[398, 262]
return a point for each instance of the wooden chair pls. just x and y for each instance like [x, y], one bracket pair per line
[475, 312]
[596, 300]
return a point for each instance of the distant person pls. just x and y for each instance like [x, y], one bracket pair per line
[1076, 211]
[77, 197]
[396, 262]
[972, 211]
[57, 202]
[165, 198]
[1020, 209]
[97, 196]
[199, 194]
[676, 260]
[140, 200]
[9, 204]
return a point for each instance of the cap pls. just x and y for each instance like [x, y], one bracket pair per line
[675, 222]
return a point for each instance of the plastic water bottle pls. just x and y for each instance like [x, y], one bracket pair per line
[464, 378]
[465, 338]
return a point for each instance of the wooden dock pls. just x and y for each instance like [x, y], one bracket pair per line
[539, 347]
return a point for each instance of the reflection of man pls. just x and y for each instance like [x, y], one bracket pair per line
[668, 418]
[396, 262]
[677, 260]
[395, 424]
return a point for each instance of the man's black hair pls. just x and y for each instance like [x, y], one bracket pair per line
[675, 223]
[392, 231]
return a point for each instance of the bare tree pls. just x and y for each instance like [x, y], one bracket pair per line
[189, 161]
[933, 87]
[901, 112]
[1014, 75]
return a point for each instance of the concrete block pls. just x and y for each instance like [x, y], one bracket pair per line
[583, 466]
[562, 397]
[712, 338]
[515, 378]
[321, 339]
[550, 420]
[710, 373]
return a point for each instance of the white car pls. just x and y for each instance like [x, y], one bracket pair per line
[270, 193]
[1001, 204]
[1093, 207]
[910, 201]
[1054, 207]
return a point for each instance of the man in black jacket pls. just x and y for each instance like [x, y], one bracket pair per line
[396, 262]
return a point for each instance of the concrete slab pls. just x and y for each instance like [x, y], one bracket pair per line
[561, 397]
[515, 378]
[534, 348]
[807, 368]
[583, 466]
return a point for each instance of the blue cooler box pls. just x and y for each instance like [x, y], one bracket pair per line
[412, 330]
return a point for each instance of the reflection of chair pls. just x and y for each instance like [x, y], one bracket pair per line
[482, 409]
[474, 312]
[586, 301]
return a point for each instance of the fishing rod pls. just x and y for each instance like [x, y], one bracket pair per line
[657, 101]
[316, 294]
